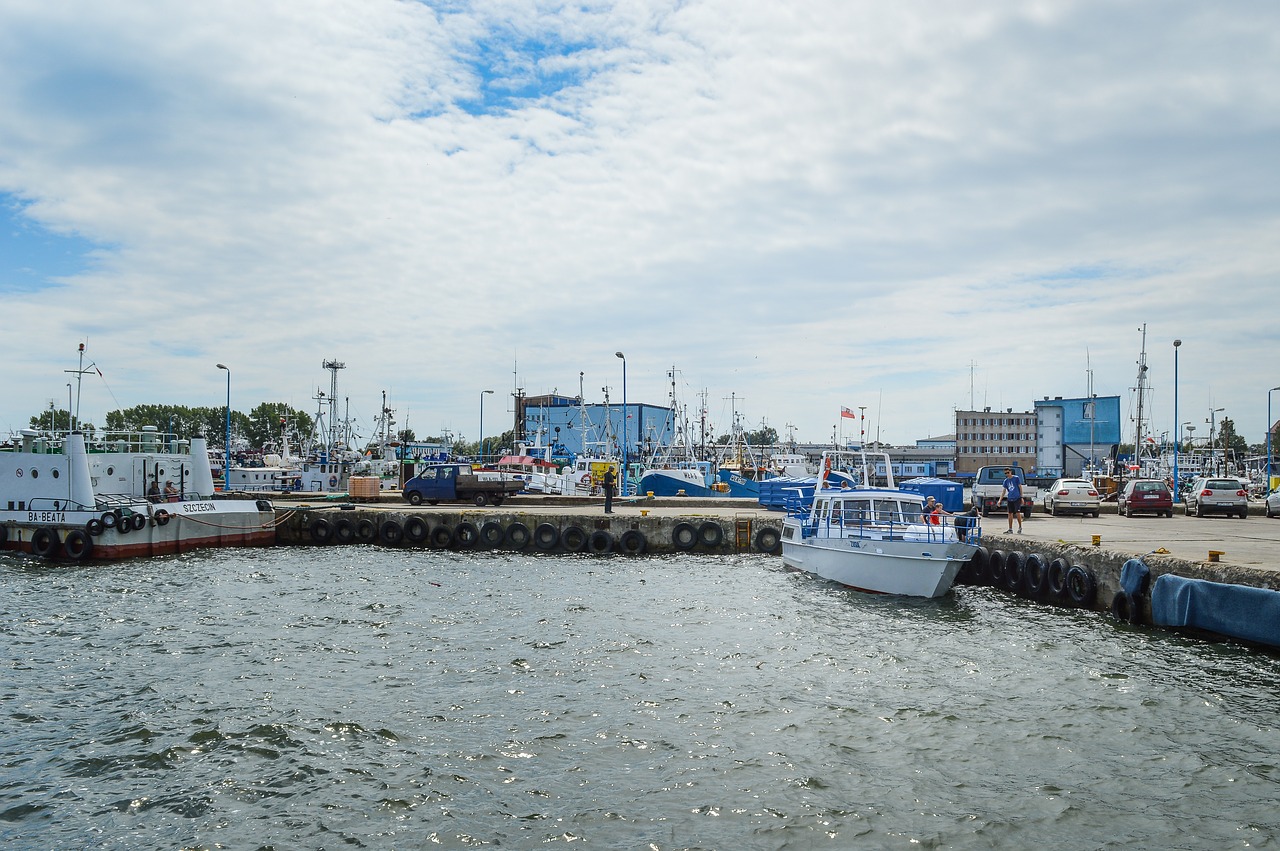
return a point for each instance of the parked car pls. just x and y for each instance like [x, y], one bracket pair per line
[1143, 495]
[1066, 495]
[1273, 503]
[1210, 494]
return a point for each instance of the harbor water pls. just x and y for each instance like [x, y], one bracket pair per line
[363, 697]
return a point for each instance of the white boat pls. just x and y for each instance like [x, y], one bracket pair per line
[875, 539]
[62, 498]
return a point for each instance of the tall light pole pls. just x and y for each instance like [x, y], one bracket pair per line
[1269, 427]
[226, 468]
[1176, 345]
[482, 441]
[624, 421]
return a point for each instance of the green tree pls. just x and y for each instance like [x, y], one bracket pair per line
[265, 422]
[1228, 437]
[51, 420]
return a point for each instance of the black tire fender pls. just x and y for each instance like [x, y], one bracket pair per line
[390, 533]
[1015, 564]
[518, 536]
[1124, 607]
[94, 527]
[633, 542]
[1035, 576]
[110, 519]
[1082, 587]
[768, 540]
[78, 545]
[343, 531]
[367, 530]
[995, 568]
[1057, 578]
[710, 535]
[441, 537]
[162, 517]
[415, 530]
[684, 536]
[138, 521]
[321, 531]
[491, 534]
[466, 535]
[600, 542]
[546, 537]
[980, 561]
[574, 539]
[44, 542]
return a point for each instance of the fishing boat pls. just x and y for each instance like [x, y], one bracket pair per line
[875, 539]
[124, 495]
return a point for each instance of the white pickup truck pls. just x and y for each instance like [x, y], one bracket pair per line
[988, 488]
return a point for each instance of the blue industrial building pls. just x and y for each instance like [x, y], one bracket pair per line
[572, 429]
[1073, 434]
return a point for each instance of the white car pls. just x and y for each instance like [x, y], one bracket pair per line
[1071, 495]
[1273, 503]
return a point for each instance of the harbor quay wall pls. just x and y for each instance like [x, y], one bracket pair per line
[544, 527]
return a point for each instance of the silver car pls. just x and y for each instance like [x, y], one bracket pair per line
[1273, 503]
[1072, 495]
[1216, 494]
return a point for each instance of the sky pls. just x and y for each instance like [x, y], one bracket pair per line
[913, 207]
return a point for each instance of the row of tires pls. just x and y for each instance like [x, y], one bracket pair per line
[77, 544]
[1032, 576]
[545, 537]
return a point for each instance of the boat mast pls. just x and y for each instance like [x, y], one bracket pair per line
[1142, 391]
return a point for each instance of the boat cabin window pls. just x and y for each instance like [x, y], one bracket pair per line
[857, 510]
[911, 513]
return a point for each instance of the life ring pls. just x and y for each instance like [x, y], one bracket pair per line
[343, 531]
[441, 537]
[1124, 607]
[517, 536]
[633, 542]
[826, 470]
[333, 481]
[574, 539]
[320, 531]
[600, 542]
[585, 480]
[1035, 576]
[110, 519]
[1082, 588]
[78, 545]
[162, 517]
[710, 535]
[491, 534]
[367, 531]
[139, 521]
[390, 533]
[44, 542]
[415, 529]
[546, 537]
[1014, 566]
[768, 540]
[995, 568]
[684, 536]
[466, 534]
[94, 527]
[1058, 578]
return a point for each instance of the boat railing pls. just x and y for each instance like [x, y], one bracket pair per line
[870, 525]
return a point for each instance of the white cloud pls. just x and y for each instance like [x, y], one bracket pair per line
[806, 205]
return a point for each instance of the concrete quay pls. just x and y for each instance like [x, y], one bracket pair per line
[1249, 549]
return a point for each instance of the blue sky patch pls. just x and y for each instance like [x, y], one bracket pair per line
[514, 70]
[31, 257]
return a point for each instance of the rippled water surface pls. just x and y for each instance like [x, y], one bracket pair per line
[373, 698]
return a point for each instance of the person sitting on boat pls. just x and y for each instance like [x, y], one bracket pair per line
[933, 511]
[170, 492]
[153, 492]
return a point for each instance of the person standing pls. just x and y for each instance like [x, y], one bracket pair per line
[610, 480]
[1013, 497]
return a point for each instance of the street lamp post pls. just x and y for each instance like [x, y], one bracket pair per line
[624, 421]
[483, 447]
[1269, 427]
[1176, 345]
[226, 467]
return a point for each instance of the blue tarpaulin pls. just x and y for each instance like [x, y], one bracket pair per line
[1238, 611]
[949, 494]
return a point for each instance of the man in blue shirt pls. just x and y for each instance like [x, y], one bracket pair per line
[1013, 496]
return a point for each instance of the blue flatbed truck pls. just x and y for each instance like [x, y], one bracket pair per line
[436, 483]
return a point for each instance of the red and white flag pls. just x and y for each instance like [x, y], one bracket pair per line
[848, 412]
